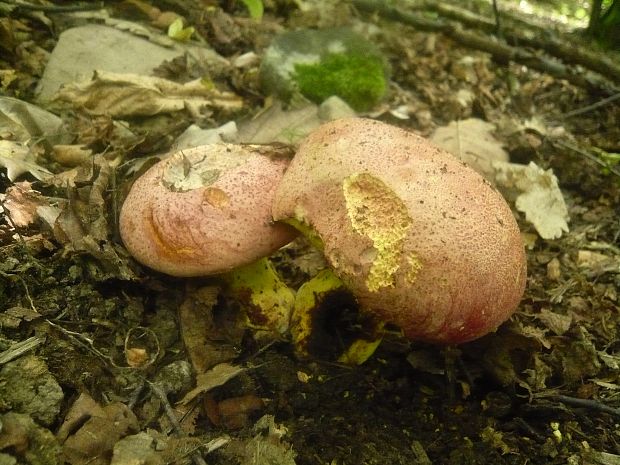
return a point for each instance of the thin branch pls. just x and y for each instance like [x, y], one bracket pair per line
[57, 8]
[594, 106]
[589, 404]
[174, 421]
[20, 348]
[588, 155]
[502, 51]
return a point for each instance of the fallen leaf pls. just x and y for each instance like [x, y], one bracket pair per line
[19, 159]
[556, 322]
[208, 341]
[176, 31]
[472, 141]
[215, 377]
[277, 125]
[124, 95]
[21, 203]
[93, 442]
[537, 194]
[24, 121]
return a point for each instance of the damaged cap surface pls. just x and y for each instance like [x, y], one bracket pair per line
[206, 210]
[420, 238]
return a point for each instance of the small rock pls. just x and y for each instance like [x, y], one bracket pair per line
[81, 50]
[138, 449]
[334, 108]
[175, 378]
[27, 387]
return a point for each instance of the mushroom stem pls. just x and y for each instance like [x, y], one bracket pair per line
[319, 303]
[265, 298]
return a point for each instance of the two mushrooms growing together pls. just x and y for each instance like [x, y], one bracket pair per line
[418, 238]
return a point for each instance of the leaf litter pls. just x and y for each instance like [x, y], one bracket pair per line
[507, 398]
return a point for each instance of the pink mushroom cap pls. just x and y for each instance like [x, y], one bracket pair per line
[420, 238]
[206, 210]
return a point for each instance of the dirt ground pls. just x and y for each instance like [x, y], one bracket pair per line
[543, 389]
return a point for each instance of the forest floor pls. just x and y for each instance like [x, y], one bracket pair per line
[114, 346]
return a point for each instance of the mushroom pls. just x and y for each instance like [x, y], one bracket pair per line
[419, 238]
[206, 210]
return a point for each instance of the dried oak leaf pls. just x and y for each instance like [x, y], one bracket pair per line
[19, 159]
[125, 95]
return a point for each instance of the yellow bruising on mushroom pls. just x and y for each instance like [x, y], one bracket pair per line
[302, 225]
[215, 197]
[375, 211]
[162, 243]
[414, 265]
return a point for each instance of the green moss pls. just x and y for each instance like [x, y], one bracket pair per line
[357, 79]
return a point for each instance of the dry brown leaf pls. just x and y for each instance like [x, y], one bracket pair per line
[71, 155]
[19, 159]
[215, 377]
[556, 322]
[21, 202]
[472, 141]
[204, 340]
[277, 125]
[93, 442]
[12, 317]
[82, 225]
[125, 95]
[266, 446]
[22, 122]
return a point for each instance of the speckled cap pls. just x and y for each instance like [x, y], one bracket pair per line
[420, 238]
[206, 210]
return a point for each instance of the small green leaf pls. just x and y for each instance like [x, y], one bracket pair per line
[176, 31]
[255, 7]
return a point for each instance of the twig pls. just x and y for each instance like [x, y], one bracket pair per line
[58, 8]
[588, 155]
[498, 29]
[83, 341]
[587, 403]
[20, 348]
[502, 51]
[26, 291]
[160, 393]
[134, 397]
[594, 106]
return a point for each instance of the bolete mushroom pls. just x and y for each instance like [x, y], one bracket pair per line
[421, 239]
[206, 210]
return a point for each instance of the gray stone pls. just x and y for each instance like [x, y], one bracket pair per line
[83, 49]
[334, 108]
[28, 387]
[138, 449]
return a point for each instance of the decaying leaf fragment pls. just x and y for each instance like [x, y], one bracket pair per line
[537, 194]
[125, 95]
[216, 376]
[21, 202]
[18, 159]
[208, 340]
[472, 141]
[90, 431]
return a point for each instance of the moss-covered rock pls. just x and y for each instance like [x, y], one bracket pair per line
[320, 63]
[357, 79]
